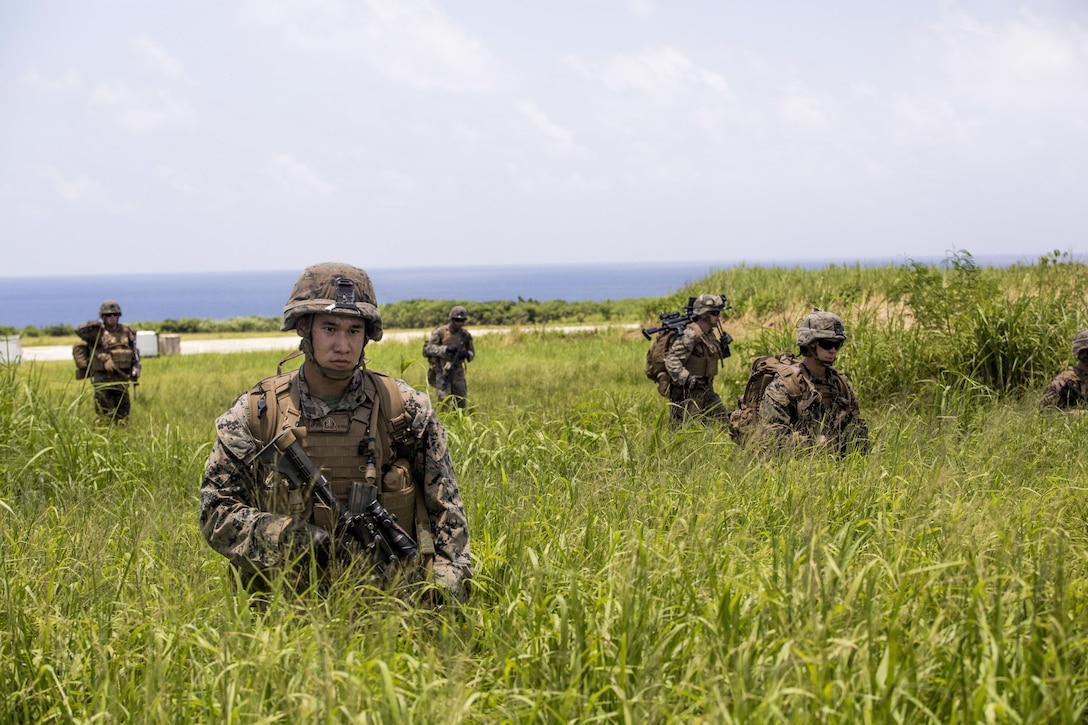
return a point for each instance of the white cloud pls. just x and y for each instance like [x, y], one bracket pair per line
[663, 73]
[539, 119]
[137, 112]
[399, 182]
[176, 180]
[66, 81]
[411, 42]
[296, 177]
[148, 49]
[803, 109]
[642, 8]
[77, 190]
[1025, 65]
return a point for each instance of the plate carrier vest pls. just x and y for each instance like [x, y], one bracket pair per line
[366, 444]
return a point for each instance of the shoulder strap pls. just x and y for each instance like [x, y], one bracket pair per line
[274, 404]
[791, 378]
[392, 403]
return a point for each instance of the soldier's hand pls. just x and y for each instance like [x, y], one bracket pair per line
[695, 381]
[109, 366]
[451, 349]
[303, 539]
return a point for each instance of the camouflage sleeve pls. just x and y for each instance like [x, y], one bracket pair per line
[678, 354]
[229, 518]
[432, 465]
[136, 366]
[854, 432]
[776, 423]
[433, 347]
[1053, 394]
[470, 347]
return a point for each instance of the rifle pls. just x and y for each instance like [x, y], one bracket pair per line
[675, 321]
[451, 365]
[367, 523]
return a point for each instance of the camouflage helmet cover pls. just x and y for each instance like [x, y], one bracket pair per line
[457, 312]
[337, 289]
[820, 325]
[109, 307]
[708, 303]
[1080, 342]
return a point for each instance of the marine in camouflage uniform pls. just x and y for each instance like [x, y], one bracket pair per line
[1069, 390]
[447, 350]
[692, 362]
[811, 405]
[258, 519]
[107, 353]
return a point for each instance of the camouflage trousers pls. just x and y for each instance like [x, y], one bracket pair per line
[111, 401]
[457, 391]
[699, 403]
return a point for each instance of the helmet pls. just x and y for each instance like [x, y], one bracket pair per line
[1080, 342]
[109, 307]
[457, 312]
[820, 325]
[336, 289]
[708, 303]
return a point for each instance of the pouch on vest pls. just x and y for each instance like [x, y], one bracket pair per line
[122, 358]
[398, 495]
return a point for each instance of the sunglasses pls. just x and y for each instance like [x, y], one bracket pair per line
[830, 344]
[715, 313]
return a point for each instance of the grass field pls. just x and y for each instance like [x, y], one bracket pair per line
[625, 571]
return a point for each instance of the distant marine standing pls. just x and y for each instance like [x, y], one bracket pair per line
[692, 362]
[447, 350]
[107, 353]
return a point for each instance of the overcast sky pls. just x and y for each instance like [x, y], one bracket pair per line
[207, 134]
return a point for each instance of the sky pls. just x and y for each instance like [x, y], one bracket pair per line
[230, 135]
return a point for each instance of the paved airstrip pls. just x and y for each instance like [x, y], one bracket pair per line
[290, 342]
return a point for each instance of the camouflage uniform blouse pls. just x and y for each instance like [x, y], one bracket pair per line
[828, 408]
[693, 352]
[234, 526]
[1068, 390]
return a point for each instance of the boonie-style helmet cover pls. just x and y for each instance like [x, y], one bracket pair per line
[820, 325]
[337, 289]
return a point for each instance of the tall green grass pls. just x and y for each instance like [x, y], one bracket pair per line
[626, 571]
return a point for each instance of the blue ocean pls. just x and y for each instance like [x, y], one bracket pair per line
[44, 301]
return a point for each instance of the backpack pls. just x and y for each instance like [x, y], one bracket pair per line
[655, 359]
[744, 420]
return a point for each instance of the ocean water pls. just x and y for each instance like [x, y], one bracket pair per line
[44, 301]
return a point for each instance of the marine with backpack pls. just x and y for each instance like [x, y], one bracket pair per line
[684, 358]
[792, 403]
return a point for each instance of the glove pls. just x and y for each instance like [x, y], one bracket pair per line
[109, 366]
[695, 381]
[300, 538]
[451, 349]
